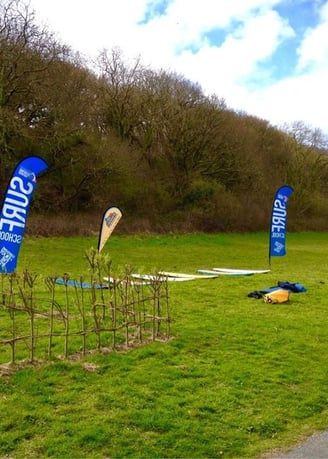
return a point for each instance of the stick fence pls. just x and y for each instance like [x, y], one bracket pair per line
[40, 319]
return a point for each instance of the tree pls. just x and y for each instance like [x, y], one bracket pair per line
[26, 52]
[120, 92]
[308, 167]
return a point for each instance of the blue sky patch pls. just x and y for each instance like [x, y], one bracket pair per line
[284, 61]
[154, 9]
[301, 14]
[216, 37]
[282, 64]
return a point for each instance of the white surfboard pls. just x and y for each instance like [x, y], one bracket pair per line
[160, 278]
[242, 271]
[224, 273]
[184, 275]
[112, 280]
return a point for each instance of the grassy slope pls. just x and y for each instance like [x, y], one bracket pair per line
[239, 377]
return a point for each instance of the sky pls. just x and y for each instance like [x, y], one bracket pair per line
[267, 58]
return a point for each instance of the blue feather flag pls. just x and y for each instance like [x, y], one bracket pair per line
[277, 246]
[15, 208]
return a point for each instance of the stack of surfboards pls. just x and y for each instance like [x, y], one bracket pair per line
[164, 276]
[167, 276]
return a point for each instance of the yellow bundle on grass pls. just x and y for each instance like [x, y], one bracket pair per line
[277, 296]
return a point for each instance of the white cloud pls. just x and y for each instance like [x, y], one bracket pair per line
[294, 99]
[237, 58]
[314, 48]
[250, 31]
[88, 26]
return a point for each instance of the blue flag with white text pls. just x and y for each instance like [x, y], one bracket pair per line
[14, 210]
[279, 222]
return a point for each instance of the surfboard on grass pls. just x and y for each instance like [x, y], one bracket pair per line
[224, 273]
[75, 283]
[242, 271]
[160, 278]
[112, 280]
[192, 276]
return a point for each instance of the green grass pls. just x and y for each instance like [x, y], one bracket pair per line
[239, 377]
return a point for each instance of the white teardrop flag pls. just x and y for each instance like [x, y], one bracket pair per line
[110, 219]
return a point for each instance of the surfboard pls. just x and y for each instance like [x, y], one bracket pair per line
[184, 275]
[75, 283]
[160, 278]
[112, 280]
[224, 273]
[242, 271]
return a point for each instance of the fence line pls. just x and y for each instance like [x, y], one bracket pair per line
[43, 320]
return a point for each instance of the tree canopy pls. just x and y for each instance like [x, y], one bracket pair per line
[149, 142]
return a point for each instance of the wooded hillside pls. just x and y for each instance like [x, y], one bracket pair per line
[150, 143]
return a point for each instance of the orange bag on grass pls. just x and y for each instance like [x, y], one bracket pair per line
[277, 296]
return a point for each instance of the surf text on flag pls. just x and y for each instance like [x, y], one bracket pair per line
[15, 208]
[279, 214]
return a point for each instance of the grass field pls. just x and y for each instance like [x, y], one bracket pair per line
[239, 378]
